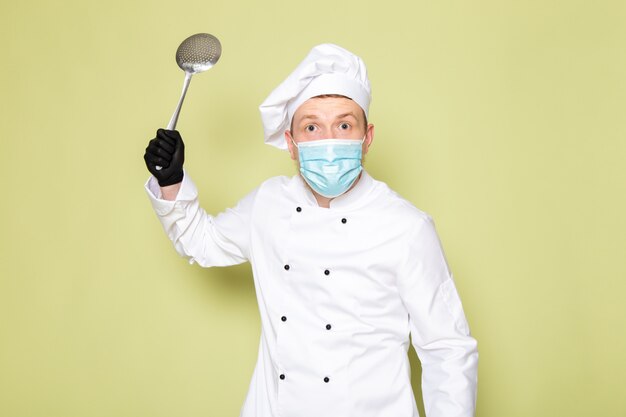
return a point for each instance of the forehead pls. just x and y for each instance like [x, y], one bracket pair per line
[328, 107]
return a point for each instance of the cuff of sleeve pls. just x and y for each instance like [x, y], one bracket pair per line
[187, 193]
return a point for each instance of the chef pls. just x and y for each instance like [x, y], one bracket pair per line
[344, 268]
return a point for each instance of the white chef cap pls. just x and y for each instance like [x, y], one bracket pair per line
[327, 69]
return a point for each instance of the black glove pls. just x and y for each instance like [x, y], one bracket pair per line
[167, 150]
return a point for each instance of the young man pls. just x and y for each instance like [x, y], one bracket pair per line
[344, 268]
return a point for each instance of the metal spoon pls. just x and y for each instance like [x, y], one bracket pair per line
[197, 53]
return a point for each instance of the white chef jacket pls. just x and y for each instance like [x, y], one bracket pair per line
[339, 290]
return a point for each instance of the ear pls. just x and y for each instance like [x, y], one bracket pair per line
[369, 138]
[292, 149]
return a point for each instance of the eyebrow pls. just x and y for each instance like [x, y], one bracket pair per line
[341, 116]
[309, 116]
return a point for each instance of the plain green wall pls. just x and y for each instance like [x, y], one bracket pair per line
[503, 120]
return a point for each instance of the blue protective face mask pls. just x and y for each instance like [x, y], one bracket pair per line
[330, 166]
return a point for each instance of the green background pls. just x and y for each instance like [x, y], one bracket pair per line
[503, 120]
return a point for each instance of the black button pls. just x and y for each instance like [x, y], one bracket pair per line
[344, 220]
[298, 209]
[328, 327]
[286, 267]
[283, 318]
[282, 376]
[326, 379]
[326, 272]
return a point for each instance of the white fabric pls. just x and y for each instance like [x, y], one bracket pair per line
[327, 69]
[387, 277]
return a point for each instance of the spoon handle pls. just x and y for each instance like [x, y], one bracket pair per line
[172, 124]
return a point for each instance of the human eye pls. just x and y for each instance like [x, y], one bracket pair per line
[344, 126]
[309, 128]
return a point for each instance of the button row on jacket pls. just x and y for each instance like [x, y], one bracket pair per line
[287, 267]
[326, 379]
[343, 220]
[328, 326]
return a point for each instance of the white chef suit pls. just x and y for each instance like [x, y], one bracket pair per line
[339, 290]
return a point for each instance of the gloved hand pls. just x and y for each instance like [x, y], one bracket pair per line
[167, 150]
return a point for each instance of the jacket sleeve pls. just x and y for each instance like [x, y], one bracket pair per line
[208, 240]
[439, 331]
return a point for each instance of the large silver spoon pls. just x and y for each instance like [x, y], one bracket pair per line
[197, 53]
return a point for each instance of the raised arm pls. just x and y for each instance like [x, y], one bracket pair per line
[198, 236]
